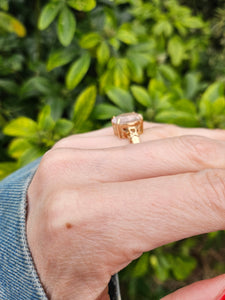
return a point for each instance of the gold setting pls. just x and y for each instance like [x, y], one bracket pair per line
[128, 126]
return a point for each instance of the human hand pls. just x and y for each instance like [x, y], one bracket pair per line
[97, 202]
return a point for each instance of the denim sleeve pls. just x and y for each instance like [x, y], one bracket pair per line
[18, 277]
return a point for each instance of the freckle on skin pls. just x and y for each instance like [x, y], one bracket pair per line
[68, 225]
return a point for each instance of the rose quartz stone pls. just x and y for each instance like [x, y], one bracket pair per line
[127, 118]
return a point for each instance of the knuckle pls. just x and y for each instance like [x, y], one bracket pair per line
[51, 212]
[165, 130]
[60, 210]
[172, 129]
[59, 144]
[50, 161]
[90, 164]
[64, 142]
[78, 210]
[200, 150]
[213, 185]
[58, 161]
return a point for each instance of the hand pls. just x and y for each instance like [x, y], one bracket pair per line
[97, 202]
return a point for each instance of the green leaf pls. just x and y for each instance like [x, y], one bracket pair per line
[9, 86]
[206, 106]
[66, 26]
[35, 86]
[136, 70]
[21, 127]
[176, 50]
[103, 53]
[156, 89]
[193, 22]
[120, 78]
[180, 118]
[4, 5]
[115, 43]
[162, 273]
[84, 105]
[60, 57]
[57, 105]
[7, 168]
[168, 73]
[146, 47]
[2, 121]
[127, 36]
[106, 111]
[213, 92]
[141, 95]
[162, 102]
[160, 266]
[153, 260]
[142, 266]
[187, 246]
[77, 71]
[45, 121]
[163, 27]
[82, 5]
[121, 73]
[218, 106]
[185, 105]
[48, 14]
[142, 59]
[191, 82]
[10, 24]
[30, 155]
[18, 146]
[183, 266]
[90, 40]
[105, 81]
[121, 98]
[63, 127]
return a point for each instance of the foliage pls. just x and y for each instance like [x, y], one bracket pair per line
[69, 66]
[155, 274]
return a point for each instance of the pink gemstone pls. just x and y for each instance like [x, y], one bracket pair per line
[127, 118]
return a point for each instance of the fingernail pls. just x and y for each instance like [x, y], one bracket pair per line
[223, 298]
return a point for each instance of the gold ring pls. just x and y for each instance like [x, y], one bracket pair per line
[128, 126]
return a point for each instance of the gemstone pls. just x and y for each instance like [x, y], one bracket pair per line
[127, 118]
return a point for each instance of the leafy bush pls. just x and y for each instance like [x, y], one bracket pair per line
[69, 66]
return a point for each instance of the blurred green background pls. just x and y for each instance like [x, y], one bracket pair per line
[68, 66]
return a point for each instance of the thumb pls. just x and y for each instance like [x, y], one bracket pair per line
[210, 289]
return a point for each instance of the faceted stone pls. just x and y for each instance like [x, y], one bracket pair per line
[127, 118]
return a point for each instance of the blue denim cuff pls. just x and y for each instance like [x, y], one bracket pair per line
[18, 277]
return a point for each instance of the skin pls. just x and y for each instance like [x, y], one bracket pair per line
[97, 202]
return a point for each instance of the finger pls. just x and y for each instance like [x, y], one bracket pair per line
[210, 289]
[139, 216]
[164, 130]
[98, 139]
[105, 138]
[157, 158]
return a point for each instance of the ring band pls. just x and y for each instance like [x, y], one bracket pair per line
[128, 126]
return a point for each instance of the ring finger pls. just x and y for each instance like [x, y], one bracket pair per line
[104, 138]
[151, 159]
